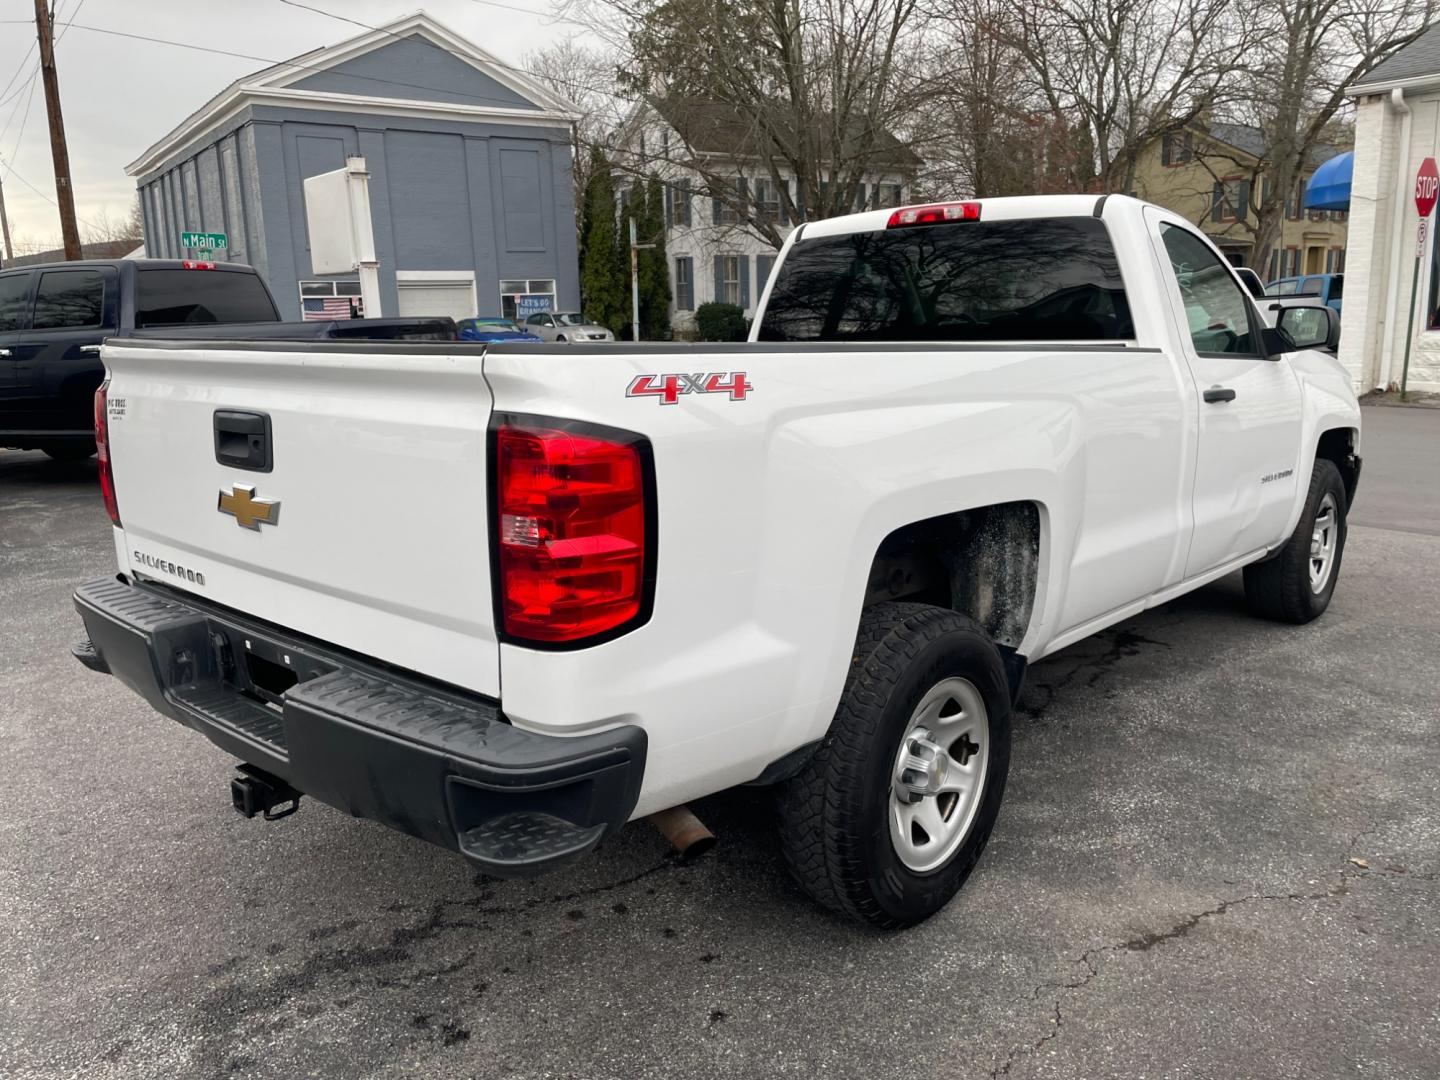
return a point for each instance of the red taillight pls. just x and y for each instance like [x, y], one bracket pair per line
[102, 452]
[191, 264]
[573, 537]
[935, 214]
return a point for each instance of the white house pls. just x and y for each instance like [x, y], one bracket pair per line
[1397, 127]
[716, 252]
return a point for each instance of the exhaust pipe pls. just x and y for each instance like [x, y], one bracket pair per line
[687, 833]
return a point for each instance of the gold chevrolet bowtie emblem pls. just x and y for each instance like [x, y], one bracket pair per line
[248, 511]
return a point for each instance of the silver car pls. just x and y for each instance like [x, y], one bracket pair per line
[567, 326]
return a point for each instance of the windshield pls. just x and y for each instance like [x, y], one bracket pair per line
[573, 318]
[1035, 279]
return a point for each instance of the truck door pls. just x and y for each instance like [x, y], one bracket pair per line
[1248, 405]
[14, 306]
[57, 358]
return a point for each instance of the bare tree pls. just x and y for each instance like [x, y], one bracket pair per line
[585, 75]
[1294, 89]
[992, 133]
[825, 91]
[1117, 74]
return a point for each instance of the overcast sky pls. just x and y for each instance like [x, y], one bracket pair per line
[120, 95]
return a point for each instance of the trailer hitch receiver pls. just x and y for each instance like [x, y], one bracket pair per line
[255, 791]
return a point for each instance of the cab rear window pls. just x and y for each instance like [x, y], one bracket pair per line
[191, 297]
[1038, 279]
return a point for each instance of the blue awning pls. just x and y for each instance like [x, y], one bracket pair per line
[1329, 188]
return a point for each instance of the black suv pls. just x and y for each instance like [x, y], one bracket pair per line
[53, 317]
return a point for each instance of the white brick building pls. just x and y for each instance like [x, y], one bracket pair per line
[715, 252]
[1397, 126]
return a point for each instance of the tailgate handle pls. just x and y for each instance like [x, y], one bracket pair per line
[242, 440]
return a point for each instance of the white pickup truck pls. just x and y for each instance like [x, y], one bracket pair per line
[508, 597]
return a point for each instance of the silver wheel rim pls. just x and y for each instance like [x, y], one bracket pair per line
[1324, 536]
[939, 775]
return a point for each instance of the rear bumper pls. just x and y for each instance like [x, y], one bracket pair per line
[420, 757]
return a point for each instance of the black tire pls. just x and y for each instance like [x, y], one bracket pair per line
[71, 452]
[559, 337]
[834, 816]
[1280, 587]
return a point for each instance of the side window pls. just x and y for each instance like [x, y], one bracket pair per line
[1215, 305]
[14, 291]
[69, 299]
[1285, 288]
[1337, 286]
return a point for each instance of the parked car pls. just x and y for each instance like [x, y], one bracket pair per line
[1251, 280]
[53, 317]
[1330, 288]
[493, 329]
[961, 438]
[567, 326]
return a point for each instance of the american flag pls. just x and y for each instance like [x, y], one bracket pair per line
[330, 307]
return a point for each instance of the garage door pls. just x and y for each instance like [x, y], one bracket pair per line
[425, 298]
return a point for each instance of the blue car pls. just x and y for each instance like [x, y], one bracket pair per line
[492, 328]
[1328, 287]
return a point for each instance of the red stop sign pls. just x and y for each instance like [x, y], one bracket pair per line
[1427, 183]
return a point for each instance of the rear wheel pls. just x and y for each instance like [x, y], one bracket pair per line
[1295, 585]
[559, 337]
[887, 820]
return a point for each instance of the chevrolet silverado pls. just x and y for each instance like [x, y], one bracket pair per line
[506, 598]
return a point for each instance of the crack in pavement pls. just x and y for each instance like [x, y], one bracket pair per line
[1178, 930]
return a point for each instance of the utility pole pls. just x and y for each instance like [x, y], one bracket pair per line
[635, 249]
[64, 196]
[5, 229]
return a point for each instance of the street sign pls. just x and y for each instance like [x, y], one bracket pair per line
[1427, 184]
[212, 241]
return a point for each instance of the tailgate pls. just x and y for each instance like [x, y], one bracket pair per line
[370, 530]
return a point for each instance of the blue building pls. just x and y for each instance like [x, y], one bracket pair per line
[470, 175]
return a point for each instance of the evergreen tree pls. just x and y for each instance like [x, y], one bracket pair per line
[604, 291]
[654, 272]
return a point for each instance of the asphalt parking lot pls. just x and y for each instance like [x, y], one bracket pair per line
[1218, 858]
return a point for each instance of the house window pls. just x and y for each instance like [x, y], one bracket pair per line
[1292, 262]
[522, 297]
[1177, 148]
[322, 300]
[1231, 200]
[684, 283]
[677, 196]
[767, 201]
[892, 195]
[1292, 205]
[724, 210]
[730, 279]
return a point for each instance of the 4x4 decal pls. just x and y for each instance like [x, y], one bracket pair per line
[668, 388]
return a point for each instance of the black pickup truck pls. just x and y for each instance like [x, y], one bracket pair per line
[54, 316]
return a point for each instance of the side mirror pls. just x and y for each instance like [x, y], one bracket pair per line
[1308, 328]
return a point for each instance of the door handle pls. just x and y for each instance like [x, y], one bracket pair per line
[90, 350]
[1218, 393]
